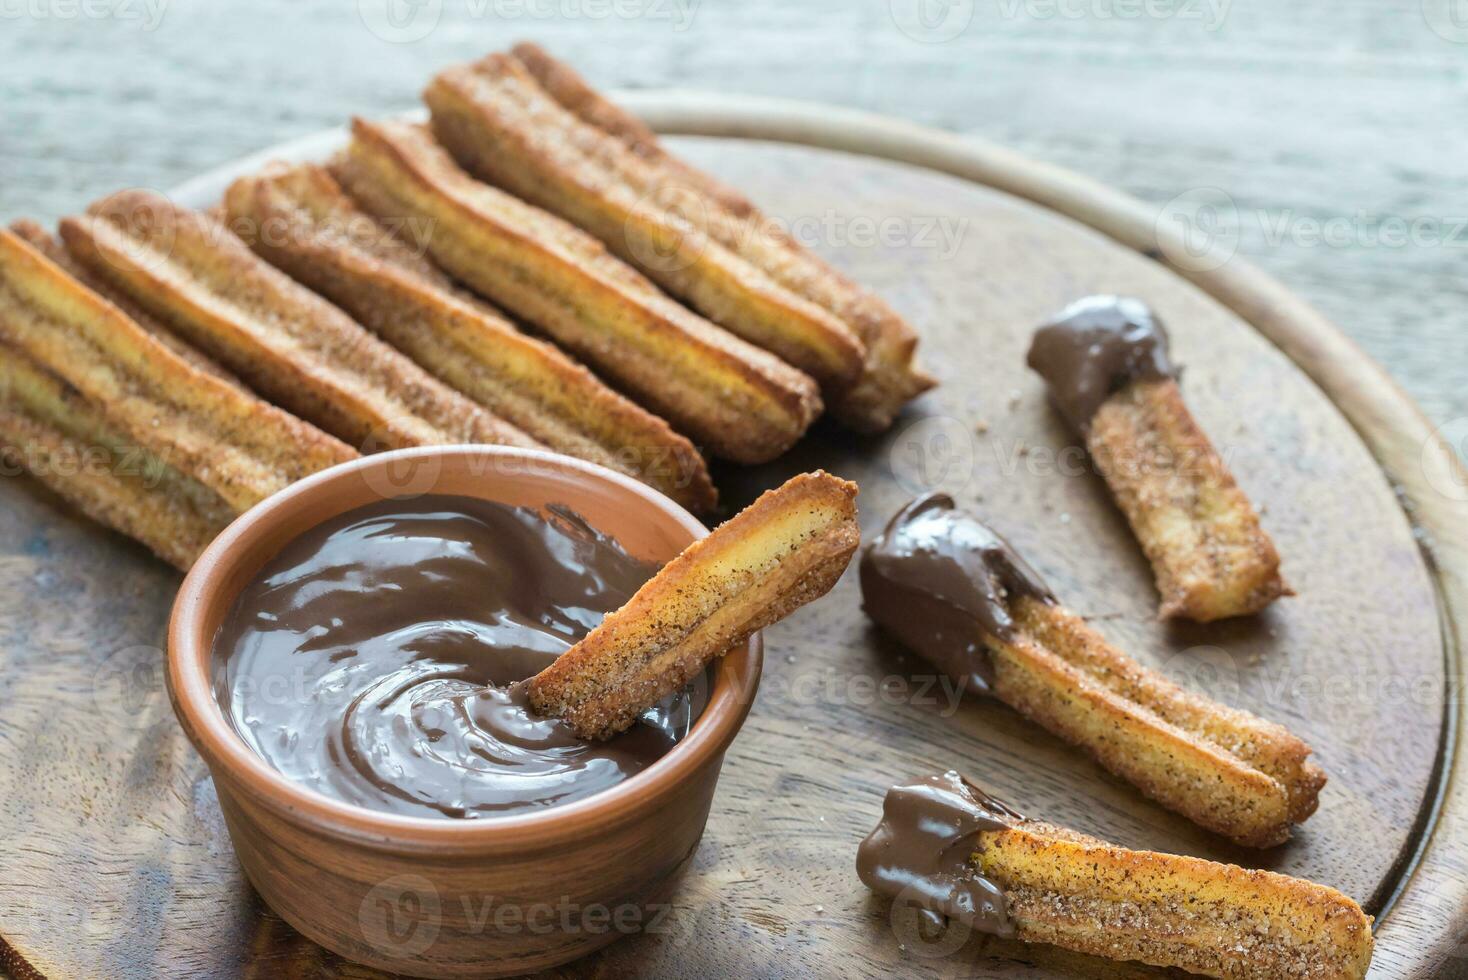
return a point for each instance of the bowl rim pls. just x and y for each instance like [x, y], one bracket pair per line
[190, 689]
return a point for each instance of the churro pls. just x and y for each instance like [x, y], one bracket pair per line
[739, 401]
[1105, 359]
[300, 220]
[618, 151]
[782, 551]
[242, 447]
[954, 591]
[949, 851]
[188, 270]
[50, 431]
[504, 128]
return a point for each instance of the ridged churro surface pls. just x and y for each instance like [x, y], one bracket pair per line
[739, 401]
[779, 553]
[1211, 557]
[300, 220]
[192, 273]
[503, 127]
[1225, 769]
[240, 447]
[48, 429]
[633, 156]
[1212, 919]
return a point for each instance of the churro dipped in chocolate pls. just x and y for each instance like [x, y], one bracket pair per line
[955, 592]
[952, 852]
[740, 402]
[532, 125]
[299, 219]
[782, 551]
[126, 428]
[190, 272]
[1106, 362]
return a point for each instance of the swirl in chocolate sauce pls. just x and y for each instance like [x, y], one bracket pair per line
[940, 581]
[1094, 348]
[376, 659]
[921, 851]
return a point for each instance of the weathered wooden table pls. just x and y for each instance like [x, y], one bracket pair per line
[785, 828]
[1335, 129]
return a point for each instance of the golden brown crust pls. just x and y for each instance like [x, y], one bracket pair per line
[889, 378]
[51, 247]
[1217, 920]
[741, 402]
[240, 447]
[779, 553]
[502, 127]
[1225, 769]
[297, 349]
[300, 220]
[48, 429]
[1211, 557]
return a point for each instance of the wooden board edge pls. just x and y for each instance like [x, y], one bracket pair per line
[1428, 925]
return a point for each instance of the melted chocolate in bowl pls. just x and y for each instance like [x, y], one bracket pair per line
[376, 658]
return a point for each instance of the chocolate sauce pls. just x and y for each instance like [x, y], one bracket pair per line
[1094, 348]
[920, 852]
[940, 581]
[376, 659]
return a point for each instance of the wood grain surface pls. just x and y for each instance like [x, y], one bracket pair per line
[1330, 126]
[116, 863]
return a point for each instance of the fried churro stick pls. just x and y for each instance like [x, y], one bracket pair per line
[289, 344]
[503, 127]
[741, 402]
[48, 429]
[955, 592]
[1105, 359]
[300, 220]
[633, 158]
[50, 246]
[942, 840]
[238, 446]
[782, 551]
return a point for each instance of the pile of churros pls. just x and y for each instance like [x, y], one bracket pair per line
[517, 272]
[525, 270]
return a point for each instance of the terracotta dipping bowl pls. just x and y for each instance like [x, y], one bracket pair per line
[454, 898]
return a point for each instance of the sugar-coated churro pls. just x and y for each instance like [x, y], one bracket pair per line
[1105, 359]
[782, 551]
[503, 127]
[49, 430]
[618, 150]
[300, 220]
[739, 401]
[241, 447]
[188, 270]
[953, 590]
[950, 851]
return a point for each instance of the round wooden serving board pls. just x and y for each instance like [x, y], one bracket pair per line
[115, 861]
